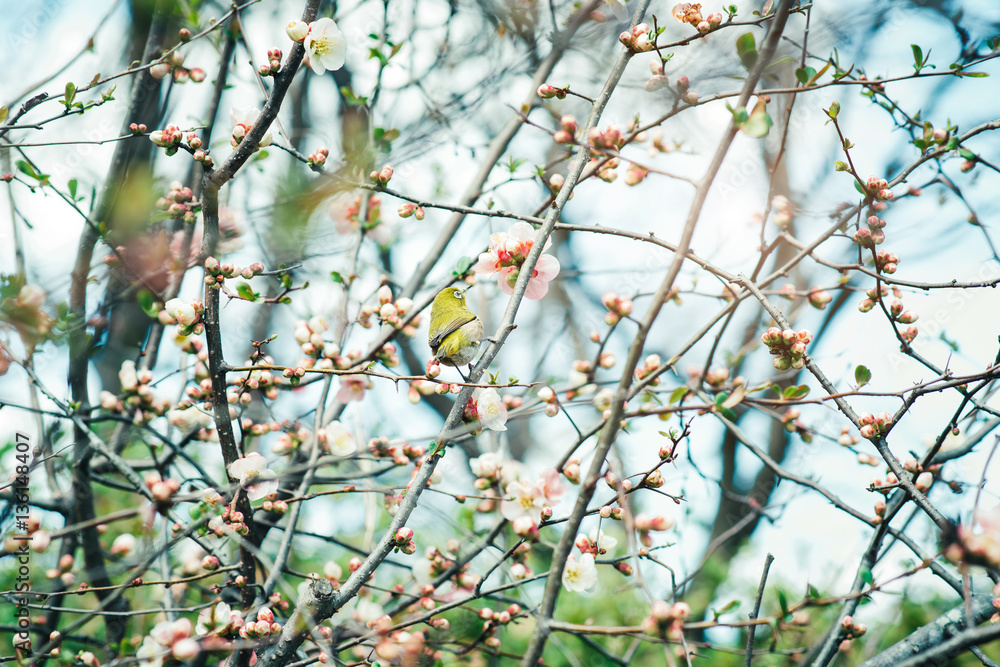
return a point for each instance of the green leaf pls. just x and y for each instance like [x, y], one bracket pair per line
[729, 414]
[462, 267]
[677, 395]
[805, 74]
[857, 186]
[783, 602]
[834, 110]
[813, 593]
[148, 303]
[70, 94]
[246, 292]
[801, 391]
[758, 124]
[977, 75]
[841, 166]
[862, 376]
[746, 49]
[966, 153]
[72, 188]
[3, 113]
[866, 576]
[918, 57]
[512, 379]
[732, 605]
[336, 277]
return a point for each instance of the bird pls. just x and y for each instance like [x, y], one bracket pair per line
[456, 332]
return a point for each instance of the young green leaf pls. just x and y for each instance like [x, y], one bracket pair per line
[862, 376]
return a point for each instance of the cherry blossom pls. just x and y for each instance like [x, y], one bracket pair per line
[214, 620]
[340, 441]
[243, 119]
[580, 575]
[618, 8]
[326, 46]
[254, 476]
[506, 255]
[352, 388]
[490, 409]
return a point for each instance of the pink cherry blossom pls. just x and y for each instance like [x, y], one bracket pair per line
[352, 388]
[506, 255]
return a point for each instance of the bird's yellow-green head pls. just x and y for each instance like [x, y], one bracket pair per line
[449, 303]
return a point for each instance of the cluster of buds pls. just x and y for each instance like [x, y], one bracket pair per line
[645, 524]
[291, 438]
[382, 177]
[387, 355]
[161, 489]
[649, 366]
[231, 520]
[492, 619]
[639, 39]
[394, 312]
[318, 159]
[847, 439]
[611, 138]
[264, 627]
[874, 295]
[169, 138]
[179, 203]
[548, 396]
[216, 273]
[819, 298]
[872, 235]
[658, 80]
[618, 307]
[567, 134]
[547, 92]
[606, 169]
[873, 426]
[683, 86]
[273, 65]
[667, 620]
[635, 174]
[174, 64]
[188, 316]
[384, 448]
[137, 394]
[716, 377]
[410, 209]
[885, 262]
[137, 128]
[878, 189]
[264, 381]
[784, 211]
[851, 629]
[900, 315]
[788, 347]
[403, 540]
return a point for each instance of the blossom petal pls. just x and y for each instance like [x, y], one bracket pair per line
[547, 267]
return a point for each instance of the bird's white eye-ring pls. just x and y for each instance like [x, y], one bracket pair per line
[458, 294]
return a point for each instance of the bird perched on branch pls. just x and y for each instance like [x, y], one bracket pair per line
[456, 332]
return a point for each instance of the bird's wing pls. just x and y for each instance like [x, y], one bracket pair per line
[454, 325]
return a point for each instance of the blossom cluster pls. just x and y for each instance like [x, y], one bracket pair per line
[788, 347]
[179, 203]
[137, 395]
[506, 254]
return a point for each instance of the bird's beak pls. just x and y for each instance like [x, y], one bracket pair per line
[468, 287]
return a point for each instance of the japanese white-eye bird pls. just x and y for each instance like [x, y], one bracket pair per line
[456, 332]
